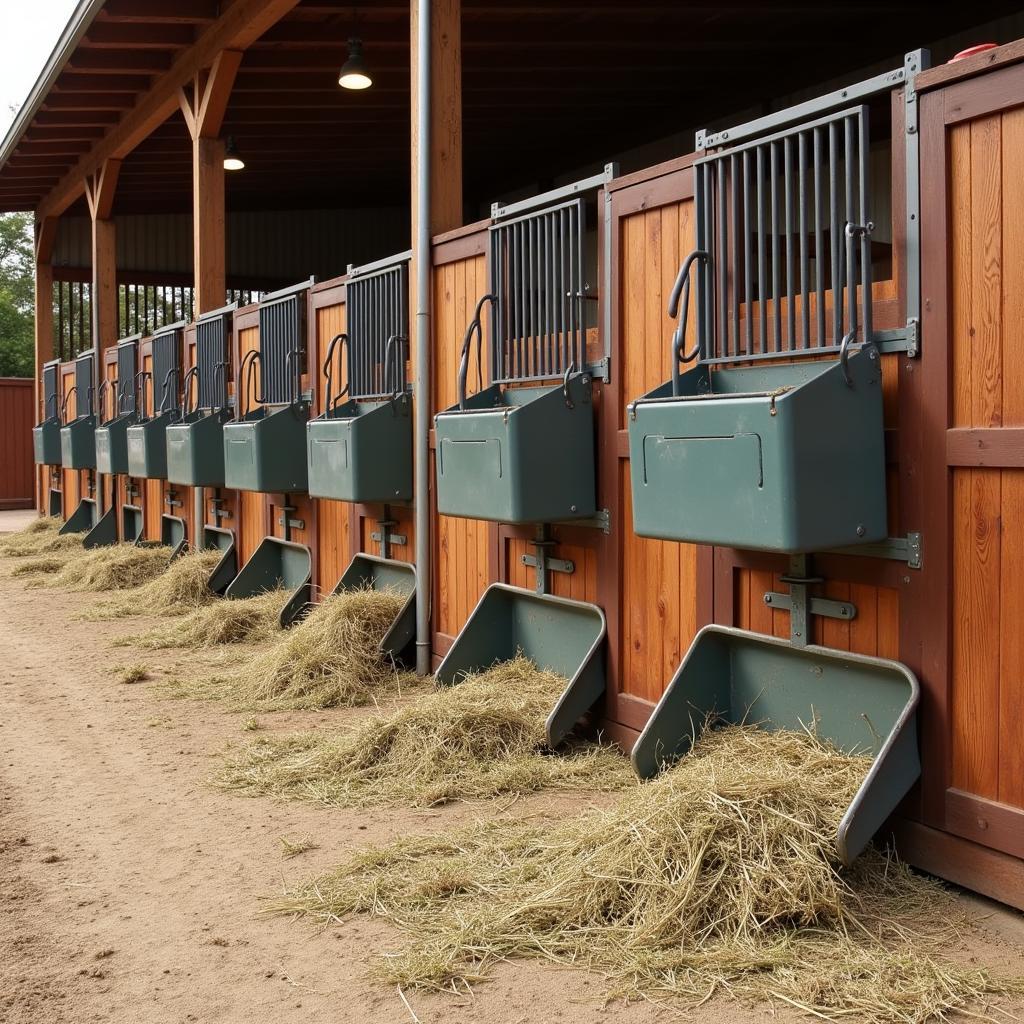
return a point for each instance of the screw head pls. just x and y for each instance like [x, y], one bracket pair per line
[572, 508]
[861, 531]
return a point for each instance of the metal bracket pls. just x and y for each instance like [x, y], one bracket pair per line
[171, 499]
[900, 549]
[600, 520]
[540, 561]
[801, 606]
[292, 524]
[219, 512]
[384, 537]
[601, 370]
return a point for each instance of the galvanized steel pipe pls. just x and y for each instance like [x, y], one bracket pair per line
[421, 388]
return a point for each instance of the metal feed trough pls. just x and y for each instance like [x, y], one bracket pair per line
[147, 439]
[361, 449]
[78, 438]
[521, 450]
[784, 453]
[217, 538]
[265, 449]
[371, 572]
[46, 434]
[112, 436]
[277, 564]
[195, 444]
[859, 703]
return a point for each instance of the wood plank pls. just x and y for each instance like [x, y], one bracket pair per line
[992, 447]
[960, 260]
[988, 822]
[1010, 706]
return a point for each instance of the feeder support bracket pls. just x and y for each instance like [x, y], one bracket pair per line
[542, 563]
[384, 536]
[801, 605]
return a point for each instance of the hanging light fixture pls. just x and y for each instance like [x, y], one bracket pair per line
[232, 158]
[353, 73]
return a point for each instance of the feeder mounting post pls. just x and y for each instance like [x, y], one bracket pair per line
[801, 606]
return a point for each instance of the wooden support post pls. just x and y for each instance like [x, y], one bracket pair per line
[46, 235]
[204, 107]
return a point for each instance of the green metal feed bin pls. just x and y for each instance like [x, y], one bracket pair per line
[147, 446]
[78, 443]
[195, 449]
[782, 458]
[278, 564]
[112, 444]
[362, 451]
[133, 524]
[519, 455]
[217, 538]
[370, 572]
[46, 445]
[55, 503]
[266, 450]
[860, 703]
[563, 636]
[83, 519]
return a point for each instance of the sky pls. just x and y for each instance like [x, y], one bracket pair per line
[28, 34]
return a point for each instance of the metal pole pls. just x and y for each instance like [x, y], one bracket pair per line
[421, 246]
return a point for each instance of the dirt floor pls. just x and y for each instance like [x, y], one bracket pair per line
[129, 889]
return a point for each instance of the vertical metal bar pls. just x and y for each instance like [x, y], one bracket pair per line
[580, 356]
[776, 305]
[762, 301]
[700, 238]
[805, 293]
[865, 218]
[562, 319]
[748, 288]
[734, 261]
[787, 175]
[819, 277]
[851, 269]
[834, 231]
[723, 259]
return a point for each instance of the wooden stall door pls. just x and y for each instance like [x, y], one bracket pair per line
[16, 467]
[976, 140]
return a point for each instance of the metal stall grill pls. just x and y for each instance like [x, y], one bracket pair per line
[538, 317]
[377, 303]
[127, 368]
[281, 348]
[83, 383]
[51, 402]
[784, 220]
[212, 360]
[167, 369]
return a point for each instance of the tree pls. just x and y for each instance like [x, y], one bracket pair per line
[17, 303]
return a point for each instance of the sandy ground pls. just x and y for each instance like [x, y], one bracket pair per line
[129, 889]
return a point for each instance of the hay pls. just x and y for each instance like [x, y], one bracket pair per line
[128, 674]
[40, 541]
[182, 588]
[719, 877]
[112, 567]
[481, 738]
[37, 569]
[331, 659]
[249, 620]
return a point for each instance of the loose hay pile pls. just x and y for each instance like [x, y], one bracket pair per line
[718, 877]
[481, 738]
[249, 620]
[113, 567]
[331, 659]
[182, 588]
[40, 537]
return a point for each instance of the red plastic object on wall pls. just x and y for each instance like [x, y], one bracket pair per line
[972, 50]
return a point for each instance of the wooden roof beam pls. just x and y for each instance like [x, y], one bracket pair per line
[166, 12]
[85, 58]
[240, 25]
[113, 34]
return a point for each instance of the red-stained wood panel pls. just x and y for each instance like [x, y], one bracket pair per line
[16, 465]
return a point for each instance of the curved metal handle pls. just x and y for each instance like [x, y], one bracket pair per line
[844, 356]
[221, 369]
[391, 364]
[569, 403]
[328, 369]
[64, 403]
[476, 328]
[56, 404]
[293, 356]
[187, 407]
[99, 401]
[681, 294]
[246, 372]
[165, 391]
[140, 391]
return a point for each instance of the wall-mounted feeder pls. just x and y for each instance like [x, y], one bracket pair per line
[147, 439]
[46, 434]
[217, 538]
[278, 565]
[371, 572]
[78, 437]
[195, 444]
[859, 703]
[265, 449]
[521, 450]
[786, 454]
[360, 450]
[112, 436]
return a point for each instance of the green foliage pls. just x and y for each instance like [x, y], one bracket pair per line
[17, 283]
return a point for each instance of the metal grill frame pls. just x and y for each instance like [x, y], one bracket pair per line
[280, 358]
[545, 355]
[377, 310]
[125, 398]
[802, 116]
[84, 366]
[757, 204]
[51, 389]
[212, 358]
[167, 364]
